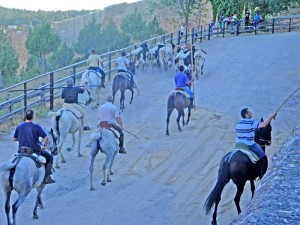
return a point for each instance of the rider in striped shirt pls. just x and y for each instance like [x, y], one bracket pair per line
[245, 130]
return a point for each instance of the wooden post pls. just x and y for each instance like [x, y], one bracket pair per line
[43, 91]
[109, 66]
[273, 26]
[192, 62]
[290, 24]
[51, 91]
[10, 107]
[25, 97]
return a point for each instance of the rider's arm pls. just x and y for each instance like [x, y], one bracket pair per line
[120, 122]
[45, 143]
[266, 122]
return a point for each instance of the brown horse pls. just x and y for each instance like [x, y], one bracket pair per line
[122, 82]
[178, 100]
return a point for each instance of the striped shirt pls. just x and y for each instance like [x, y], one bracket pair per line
[245, 129]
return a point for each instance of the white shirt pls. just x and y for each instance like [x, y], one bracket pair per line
[121, 63]
[108, 112]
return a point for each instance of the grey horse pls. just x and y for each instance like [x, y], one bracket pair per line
[22, 175]
[67, 123]
[106, 142]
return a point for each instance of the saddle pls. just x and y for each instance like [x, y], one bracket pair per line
[180, 90]
[25, 151]
[123, 74]
[245, 149]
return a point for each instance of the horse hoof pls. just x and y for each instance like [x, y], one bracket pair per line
[35, 217]
[57, 167]
[79, 155]
[103, 183]
[69, 149]
[63, 161]
[108, 180]
[41, 206]
[92, 189]
[111, 173]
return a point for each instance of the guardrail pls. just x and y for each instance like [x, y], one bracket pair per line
[46, 87]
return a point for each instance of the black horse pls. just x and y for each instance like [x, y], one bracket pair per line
[239, 169]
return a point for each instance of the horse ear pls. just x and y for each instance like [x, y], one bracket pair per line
[262, 120]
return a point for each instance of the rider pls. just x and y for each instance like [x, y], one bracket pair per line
[70, 95]
[123, 66]
[28, 134]
[95, 63]
[109, 116]
[245, 129]
[181, 82]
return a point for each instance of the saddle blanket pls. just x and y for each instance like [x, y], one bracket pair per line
[182, 92]
[245, 149]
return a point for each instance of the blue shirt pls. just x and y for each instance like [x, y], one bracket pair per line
[181, 79]
[245, 130]
[28, 133]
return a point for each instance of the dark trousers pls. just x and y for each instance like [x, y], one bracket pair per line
[98, 69]
[121, 139]
[49, 162]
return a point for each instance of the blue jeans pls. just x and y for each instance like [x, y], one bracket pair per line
[189, 91]
[257, 150]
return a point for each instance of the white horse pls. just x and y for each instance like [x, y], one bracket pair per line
[92, 79]
[152, 57]
[179, 59]
[21, 174]
[67, 121]
[138, 58]
[165, 55]
[199, 57]
[106, 142]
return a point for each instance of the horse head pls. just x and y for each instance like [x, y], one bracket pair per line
[263, 135]
[85, 98]
[52, 142]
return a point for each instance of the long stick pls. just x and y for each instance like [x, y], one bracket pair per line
[192, 63]
[287, 99]
[39, 89]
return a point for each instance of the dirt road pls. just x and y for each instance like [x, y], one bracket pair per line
[164, 180]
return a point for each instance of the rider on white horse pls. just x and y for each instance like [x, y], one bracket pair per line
[123, 65]
[28, 134]
[70, 95]
[95, 63]
[109, 117]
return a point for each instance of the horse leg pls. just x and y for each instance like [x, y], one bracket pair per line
[7, 206]
[202, 66]
[178, 119]
[93, 154]
[59, 153]
[189, 115]
[122, 99]
[132, 92]
[38, 201]
[103, 183]
[239, 192]
[79, 142]
[112, 162]
[108, 165]
[182, 115]
[252, 187]
[16, 205]
[168, 120]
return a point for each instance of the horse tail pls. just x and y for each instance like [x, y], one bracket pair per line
[170, 103]
[223, 179]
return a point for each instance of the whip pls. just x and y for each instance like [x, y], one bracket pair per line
[287, 99]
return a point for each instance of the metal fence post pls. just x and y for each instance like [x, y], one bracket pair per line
[290, 24]
[201, 33]
[208, 37]
[178, 38]
[273, 26]
[25, 96]
[109, 66]
[51, 91]
[10, 107]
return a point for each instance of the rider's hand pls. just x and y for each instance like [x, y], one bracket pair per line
[274, 114]
[43, 148]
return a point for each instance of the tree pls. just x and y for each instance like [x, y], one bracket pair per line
[40, 42]
[62, 57]
[185, 8]
[8, 61]
[89, 37]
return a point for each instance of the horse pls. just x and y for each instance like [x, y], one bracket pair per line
[236, 166]
[138, 58]
[165, 56]
[21, 174]
[199, 57]
[67, 121]
[178, 100]
[92, 79]
[122, 82]
[106, 142]
[152, 57]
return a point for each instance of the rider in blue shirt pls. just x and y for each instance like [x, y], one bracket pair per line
[181, 82]
[28, 134]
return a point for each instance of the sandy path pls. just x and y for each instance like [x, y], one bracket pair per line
[165, 180]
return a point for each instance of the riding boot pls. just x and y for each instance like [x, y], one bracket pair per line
[122, 149]
[48, 172]
[102, 82]
[263, 166]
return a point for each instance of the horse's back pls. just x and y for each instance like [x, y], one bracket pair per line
[67, 122]
[108, 141]
[120, 81]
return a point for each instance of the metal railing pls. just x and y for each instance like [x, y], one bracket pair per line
[45, 88]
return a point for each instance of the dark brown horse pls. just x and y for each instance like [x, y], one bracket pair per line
[179, 101]
[238, 168]
[122, 82]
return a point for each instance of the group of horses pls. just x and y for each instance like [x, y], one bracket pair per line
[167, 55]
[235, 166]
